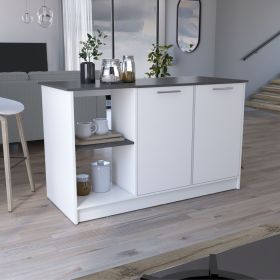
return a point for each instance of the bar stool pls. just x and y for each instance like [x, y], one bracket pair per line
[7, 108]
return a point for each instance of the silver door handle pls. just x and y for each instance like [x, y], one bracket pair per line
[224, 88]
[169, 91]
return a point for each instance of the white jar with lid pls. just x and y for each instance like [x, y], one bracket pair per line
[101, 176]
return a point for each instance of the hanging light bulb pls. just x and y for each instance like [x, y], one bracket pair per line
[27, 17]
[45, 16]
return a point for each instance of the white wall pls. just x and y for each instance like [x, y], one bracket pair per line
[230, 29]
[202, 61]
[12, 29]
[241, 26]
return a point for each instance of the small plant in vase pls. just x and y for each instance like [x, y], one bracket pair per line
[90, 51]
[160, 60]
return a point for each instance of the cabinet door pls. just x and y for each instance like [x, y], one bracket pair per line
[164, 138]
[218, 131]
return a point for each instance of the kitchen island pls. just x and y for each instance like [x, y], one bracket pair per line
[183, 139]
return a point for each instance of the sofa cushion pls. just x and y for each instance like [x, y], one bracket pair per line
[13, 76]
[54, 76]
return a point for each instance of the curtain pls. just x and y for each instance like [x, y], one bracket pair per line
[77, 22]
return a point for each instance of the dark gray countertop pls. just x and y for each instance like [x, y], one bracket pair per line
[142, 83]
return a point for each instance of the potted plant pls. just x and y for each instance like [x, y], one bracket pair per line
[90, 51]
[160, 60]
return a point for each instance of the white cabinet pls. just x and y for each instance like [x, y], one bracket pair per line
[165, 117]
[218, 130]
[185, 142]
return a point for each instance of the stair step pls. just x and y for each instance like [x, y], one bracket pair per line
[265, 101]
[272, 88]
[276, 82]
[267, 96]
[261, 104]
[268, 99]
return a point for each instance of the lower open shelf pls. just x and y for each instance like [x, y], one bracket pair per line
[118, 201]
[116, 194]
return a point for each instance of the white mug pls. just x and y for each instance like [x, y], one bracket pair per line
[102, 126]
[85, 129]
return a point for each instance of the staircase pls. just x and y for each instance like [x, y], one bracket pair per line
[268, 99]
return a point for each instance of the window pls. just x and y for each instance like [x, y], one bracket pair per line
[101, 16]
[135, 29]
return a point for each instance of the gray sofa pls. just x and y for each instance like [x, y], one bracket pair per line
[24, 88]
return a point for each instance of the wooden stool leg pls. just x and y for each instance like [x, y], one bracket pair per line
[6, 151]
[25, 151]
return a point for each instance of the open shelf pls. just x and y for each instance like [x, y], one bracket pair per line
[116, 194]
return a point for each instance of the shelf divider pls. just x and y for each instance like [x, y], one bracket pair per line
[125, 142]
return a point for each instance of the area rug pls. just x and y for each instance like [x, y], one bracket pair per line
[135, 270]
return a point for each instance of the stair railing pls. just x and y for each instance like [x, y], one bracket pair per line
[256, 50]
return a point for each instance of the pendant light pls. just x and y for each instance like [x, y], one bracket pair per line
[27, 17]
[45, 16]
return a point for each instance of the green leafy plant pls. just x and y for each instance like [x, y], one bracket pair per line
[90, 47]
[160, 60]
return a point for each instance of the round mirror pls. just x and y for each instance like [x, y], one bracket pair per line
[188, 24]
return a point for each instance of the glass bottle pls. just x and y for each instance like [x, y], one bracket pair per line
[128, 69]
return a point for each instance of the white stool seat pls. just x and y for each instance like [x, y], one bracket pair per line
[10, 107]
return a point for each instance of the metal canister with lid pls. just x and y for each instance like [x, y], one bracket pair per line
[83, 184]
[101, 176]
[128, 69]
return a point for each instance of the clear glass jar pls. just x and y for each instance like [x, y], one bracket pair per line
[83, 185]
[128, 69]
[110, 71]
